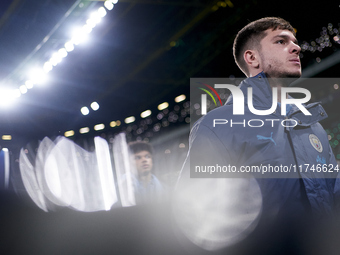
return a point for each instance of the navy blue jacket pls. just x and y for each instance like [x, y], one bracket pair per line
[304, 150]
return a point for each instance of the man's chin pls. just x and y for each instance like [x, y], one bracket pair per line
[295, 75]
[291, 77]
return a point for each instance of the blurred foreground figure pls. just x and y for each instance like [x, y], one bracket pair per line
[147, 186]
[293, 186]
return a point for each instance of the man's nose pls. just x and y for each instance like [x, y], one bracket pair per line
[296, 48]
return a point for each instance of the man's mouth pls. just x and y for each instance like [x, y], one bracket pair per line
[295, 60]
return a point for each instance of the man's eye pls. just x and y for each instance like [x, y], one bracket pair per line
[280, 41]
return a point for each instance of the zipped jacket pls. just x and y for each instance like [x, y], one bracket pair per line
[289, 155]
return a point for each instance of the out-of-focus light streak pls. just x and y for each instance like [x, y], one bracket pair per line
[116, 123]
[80, 36]
[37, 76]
[30, 181]
[7, 167]
[94, 106]
[67, 175]
[163, 106]
[124, 170]
[108, 5]
[99, 127]
[55, 59]
[105, 173]
[180, 98]
[62, 52]
[48, 67]
[29, 84]
[6, 137]
[129, 120]
[84, 110]
[215, 224]
[69, 46]
[145, 114]
[23, 89]
[102, 12]
[7, 97]
[84, 130]
[69, 133]
[113, 124]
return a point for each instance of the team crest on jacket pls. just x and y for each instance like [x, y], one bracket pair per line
[315, 142]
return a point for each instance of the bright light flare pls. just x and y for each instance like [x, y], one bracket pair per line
[29, 84]
[23, 89]
[95, 17]
[145, 114]
[108, 5]
[163, 106]
[7, 97]
[17, 93]
[116, 123]
[30, 182]
[69, 46]
[37, 76]
[80, 35]
[124, 170]
[94, 106]
[91, 23]
[99, 127]
[69, 133]
[180, 98]
[102, 12]
[48, 66]
[212, 224]
[87, 28]
[129, 119]
[84, 130]
[62, 53]
[55, 59]
[84, 110]
[61, 173]
[6, 137]
[105, 173]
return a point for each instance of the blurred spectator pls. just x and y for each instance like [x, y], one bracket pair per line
[147, 186]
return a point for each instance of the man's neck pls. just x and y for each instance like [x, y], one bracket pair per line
[145, 179]
[276, 83]
[279, 83]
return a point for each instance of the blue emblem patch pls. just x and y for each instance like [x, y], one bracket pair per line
[315, 142]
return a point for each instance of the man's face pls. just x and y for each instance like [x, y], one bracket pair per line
[279, 54]
[143, 160]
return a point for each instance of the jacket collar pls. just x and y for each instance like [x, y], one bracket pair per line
[262, 92]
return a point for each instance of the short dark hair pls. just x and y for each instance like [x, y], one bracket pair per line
[139, 146]
[250, 36]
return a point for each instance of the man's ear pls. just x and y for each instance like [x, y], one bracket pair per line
[251, 57]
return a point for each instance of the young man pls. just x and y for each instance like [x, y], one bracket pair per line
[267, 51]
[146, 185]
